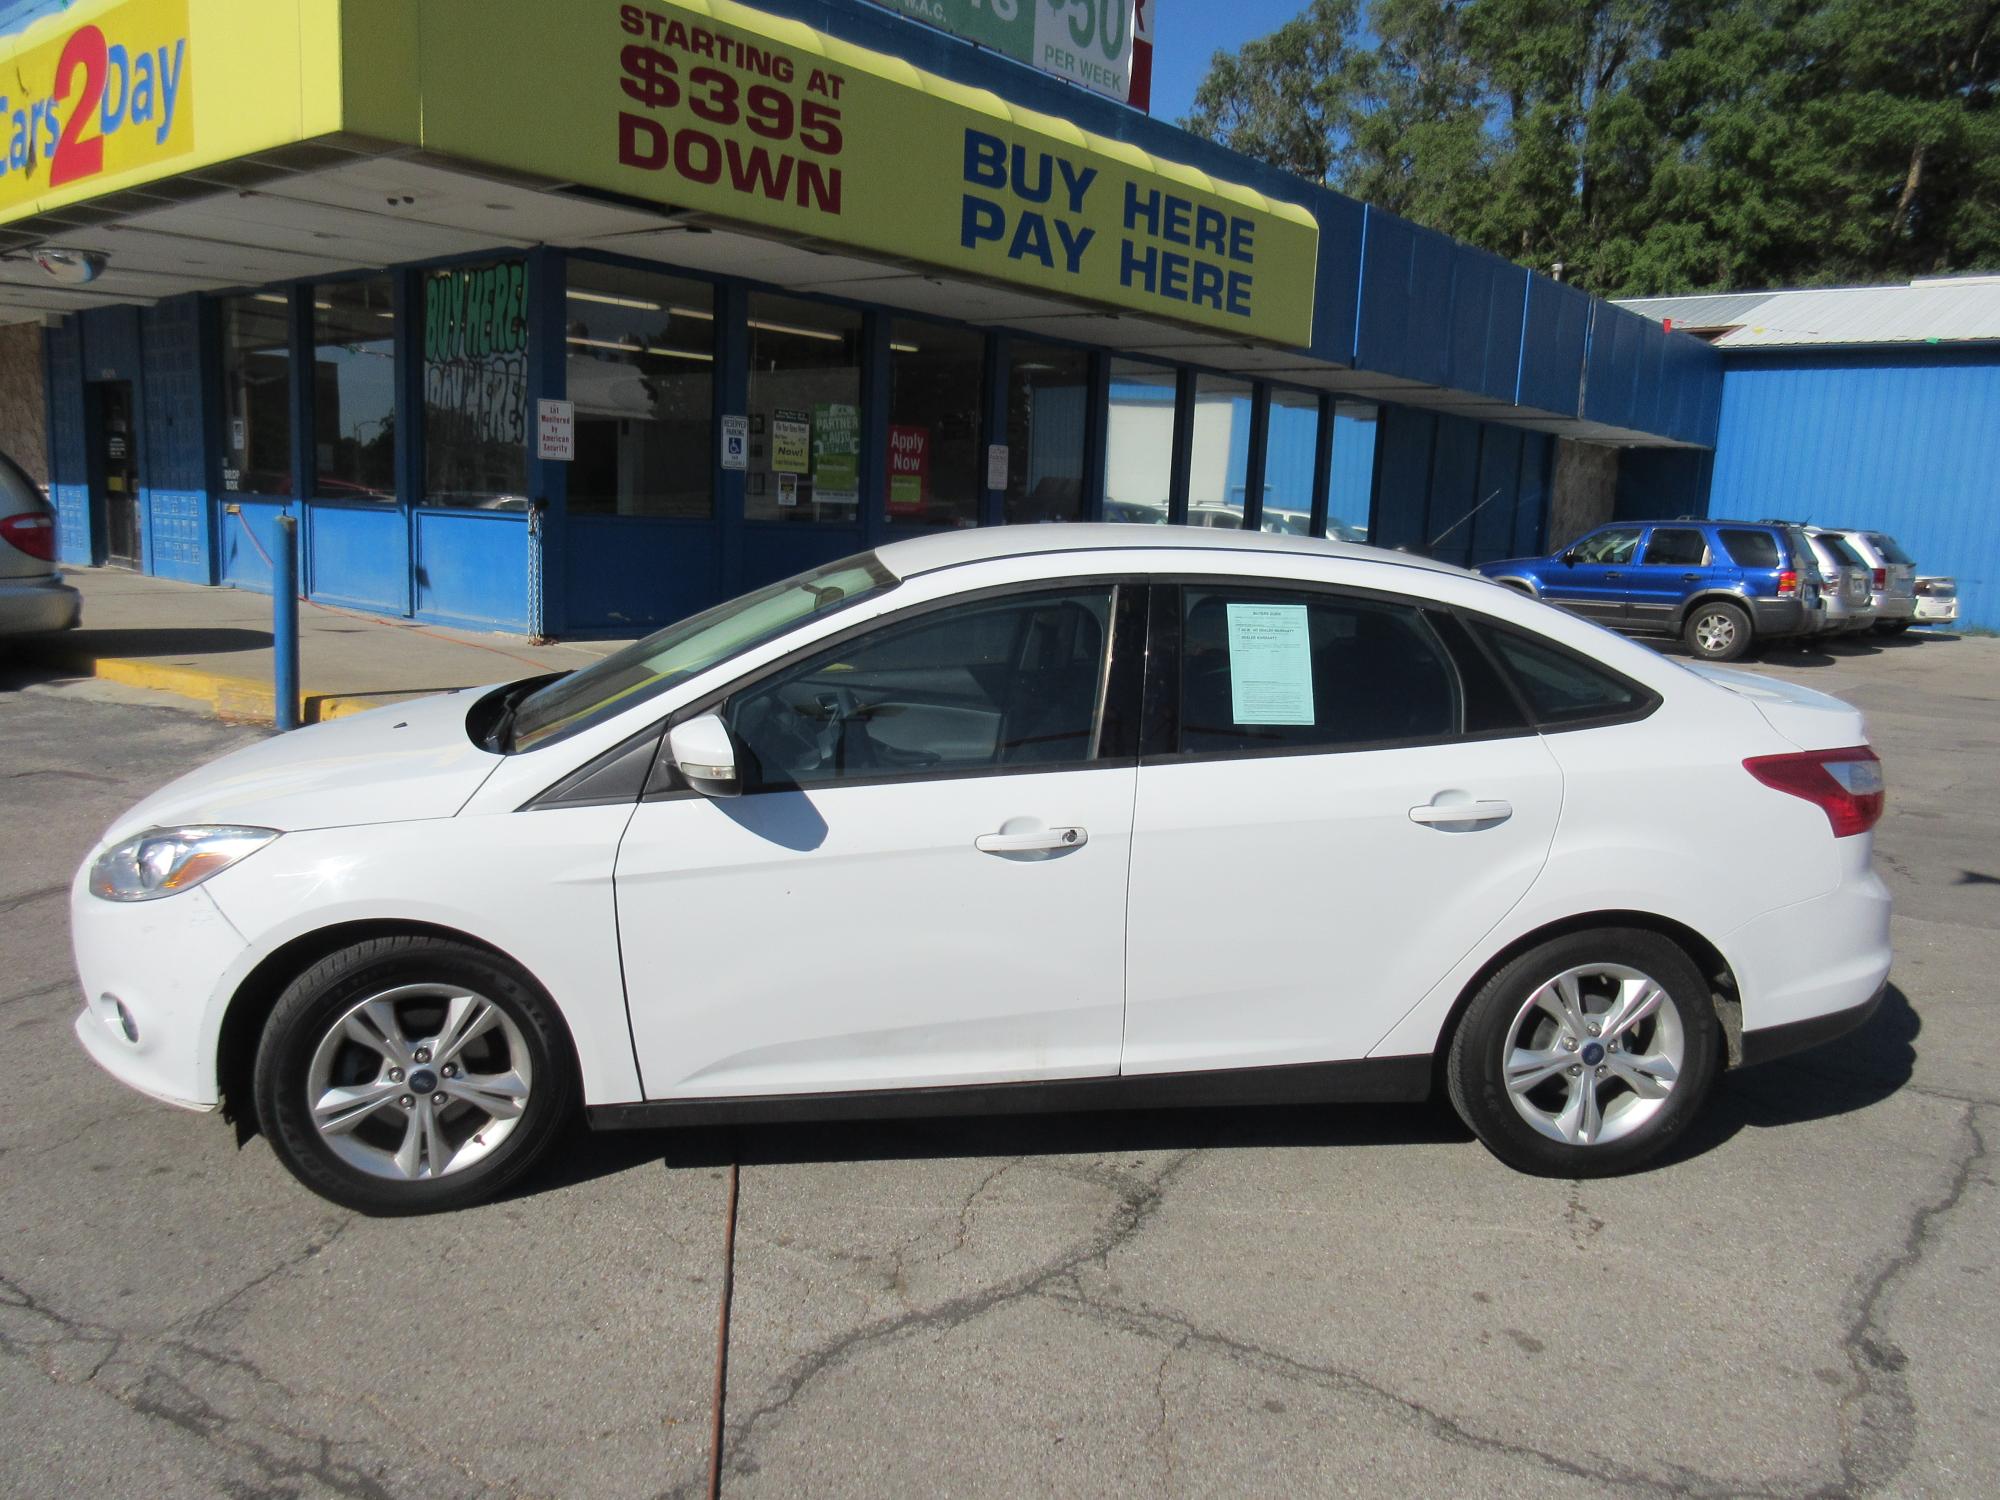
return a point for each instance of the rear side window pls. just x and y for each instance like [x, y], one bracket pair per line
[1750, 549]
[1891, 553]
[1676, 546]
[1273, 669]
[1561, 688]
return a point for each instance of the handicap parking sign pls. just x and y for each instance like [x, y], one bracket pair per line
[735, 442]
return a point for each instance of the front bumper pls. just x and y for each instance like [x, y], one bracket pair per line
[28, 605]
[164, 961]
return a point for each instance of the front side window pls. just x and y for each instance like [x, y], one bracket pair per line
[1269, 669]
[648, 667]
[995, 685]
[257, 395]
[640, 365]
[354, 390]
[1676, 547]
[1614, 547]
[476, 386]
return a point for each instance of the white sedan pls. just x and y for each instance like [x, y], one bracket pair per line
[1028, 818]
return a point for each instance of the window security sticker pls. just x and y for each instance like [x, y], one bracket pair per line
[1270, 664]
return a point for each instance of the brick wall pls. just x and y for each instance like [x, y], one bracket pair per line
[1585, 490]
[24, 420]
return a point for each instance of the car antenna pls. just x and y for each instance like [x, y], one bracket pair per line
[1464, 518]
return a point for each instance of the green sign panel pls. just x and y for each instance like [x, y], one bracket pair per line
[1086, 41]
[836, 453]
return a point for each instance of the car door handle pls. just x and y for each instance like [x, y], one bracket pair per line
[1432, 813]
[1690, 578]
[1041, 841]
[1613, 577]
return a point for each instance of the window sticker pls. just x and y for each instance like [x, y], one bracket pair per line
[1270, 664]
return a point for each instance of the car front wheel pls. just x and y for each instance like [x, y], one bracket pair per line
[1587, 1055]
[409, 1075]
[1717, 631]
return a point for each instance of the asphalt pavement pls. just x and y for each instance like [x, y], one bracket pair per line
[1273, 1302]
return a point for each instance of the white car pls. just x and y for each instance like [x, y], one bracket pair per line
[922, 831]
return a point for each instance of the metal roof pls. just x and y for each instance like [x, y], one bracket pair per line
[1939, 310]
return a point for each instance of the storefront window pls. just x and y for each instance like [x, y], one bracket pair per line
[1139, 443]
[805, 412]
[642, 382]
[1219, 460]
[1048, 388]
[934, 471]
[257, 395]
[1290, 450]
[476, 386]
[354, 391]
[1352, 489]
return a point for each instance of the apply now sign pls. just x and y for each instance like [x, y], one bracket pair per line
[715, 108]
[97, 99]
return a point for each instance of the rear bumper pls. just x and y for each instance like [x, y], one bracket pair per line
[1768, 1042]
[1783, 617]
[32, 604]
[1801, 964]
[1895, 606]
[1937, 609]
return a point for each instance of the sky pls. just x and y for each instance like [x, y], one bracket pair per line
[1187, 33]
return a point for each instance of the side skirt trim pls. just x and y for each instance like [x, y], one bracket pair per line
[1373, 1080]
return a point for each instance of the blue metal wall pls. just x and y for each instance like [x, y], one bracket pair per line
[1461, 491]
[1903, 442]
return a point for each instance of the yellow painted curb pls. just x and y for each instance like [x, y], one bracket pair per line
[240, 699]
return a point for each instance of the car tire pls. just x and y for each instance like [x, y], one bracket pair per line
[1892, 627]
[1510, 1067]
[411, 1075]
[1716, 630]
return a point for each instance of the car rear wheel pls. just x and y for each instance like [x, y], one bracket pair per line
[1717, 631]
[1587, 1055]
[409, 1075]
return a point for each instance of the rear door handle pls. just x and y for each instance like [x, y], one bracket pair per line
[1433, 813]
[1690, 578]
[1042, 840]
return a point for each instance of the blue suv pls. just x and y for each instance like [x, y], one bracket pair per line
[1721, 586]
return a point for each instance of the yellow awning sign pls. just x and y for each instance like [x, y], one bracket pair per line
[97, 100]
[701, 105]
[721, 109]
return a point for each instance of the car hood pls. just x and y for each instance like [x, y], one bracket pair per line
[390, 765]
[1811, 720]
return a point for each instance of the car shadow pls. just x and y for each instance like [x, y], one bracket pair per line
[1851, 1073]
[173, 641]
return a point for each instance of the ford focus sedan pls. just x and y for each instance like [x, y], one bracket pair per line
[944, 828]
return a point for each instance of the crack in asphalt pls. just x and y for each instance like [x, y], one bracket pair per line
[29, 898]
[1138, 1198]
[1878, 1417]
[54, 986]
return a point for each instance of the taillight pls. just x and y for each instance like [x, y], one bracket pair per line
[1844, 784]
[1880, 576]
[34, 532]
[1788, 584]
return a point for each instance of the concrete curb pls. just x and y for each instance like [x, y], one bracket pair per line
[243, 700]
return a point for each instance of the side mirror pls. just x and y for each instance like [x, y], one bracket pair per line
[1569, 558]
[705, 753]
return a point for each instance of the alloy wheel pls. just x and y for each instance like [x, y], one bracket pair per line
[1594, 1053]
[1715, 632]
[418, 1082]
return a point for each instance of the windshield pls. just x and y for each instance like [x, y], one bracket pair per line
[697, 643]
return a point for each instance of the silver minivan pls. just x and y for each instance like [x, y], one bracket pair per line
[32, 593]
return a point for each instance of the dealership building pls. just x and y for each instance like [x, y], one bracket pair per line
[571, 319]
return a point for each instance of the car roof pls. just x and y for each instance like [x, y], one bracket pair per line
[951, 549]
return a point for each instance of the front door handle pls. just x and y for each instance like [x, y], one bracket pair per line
[1041, 841]
[1434, 813]
[1613, 577]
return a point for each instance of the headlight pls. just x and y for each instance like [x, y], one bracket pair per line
[162, 861]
